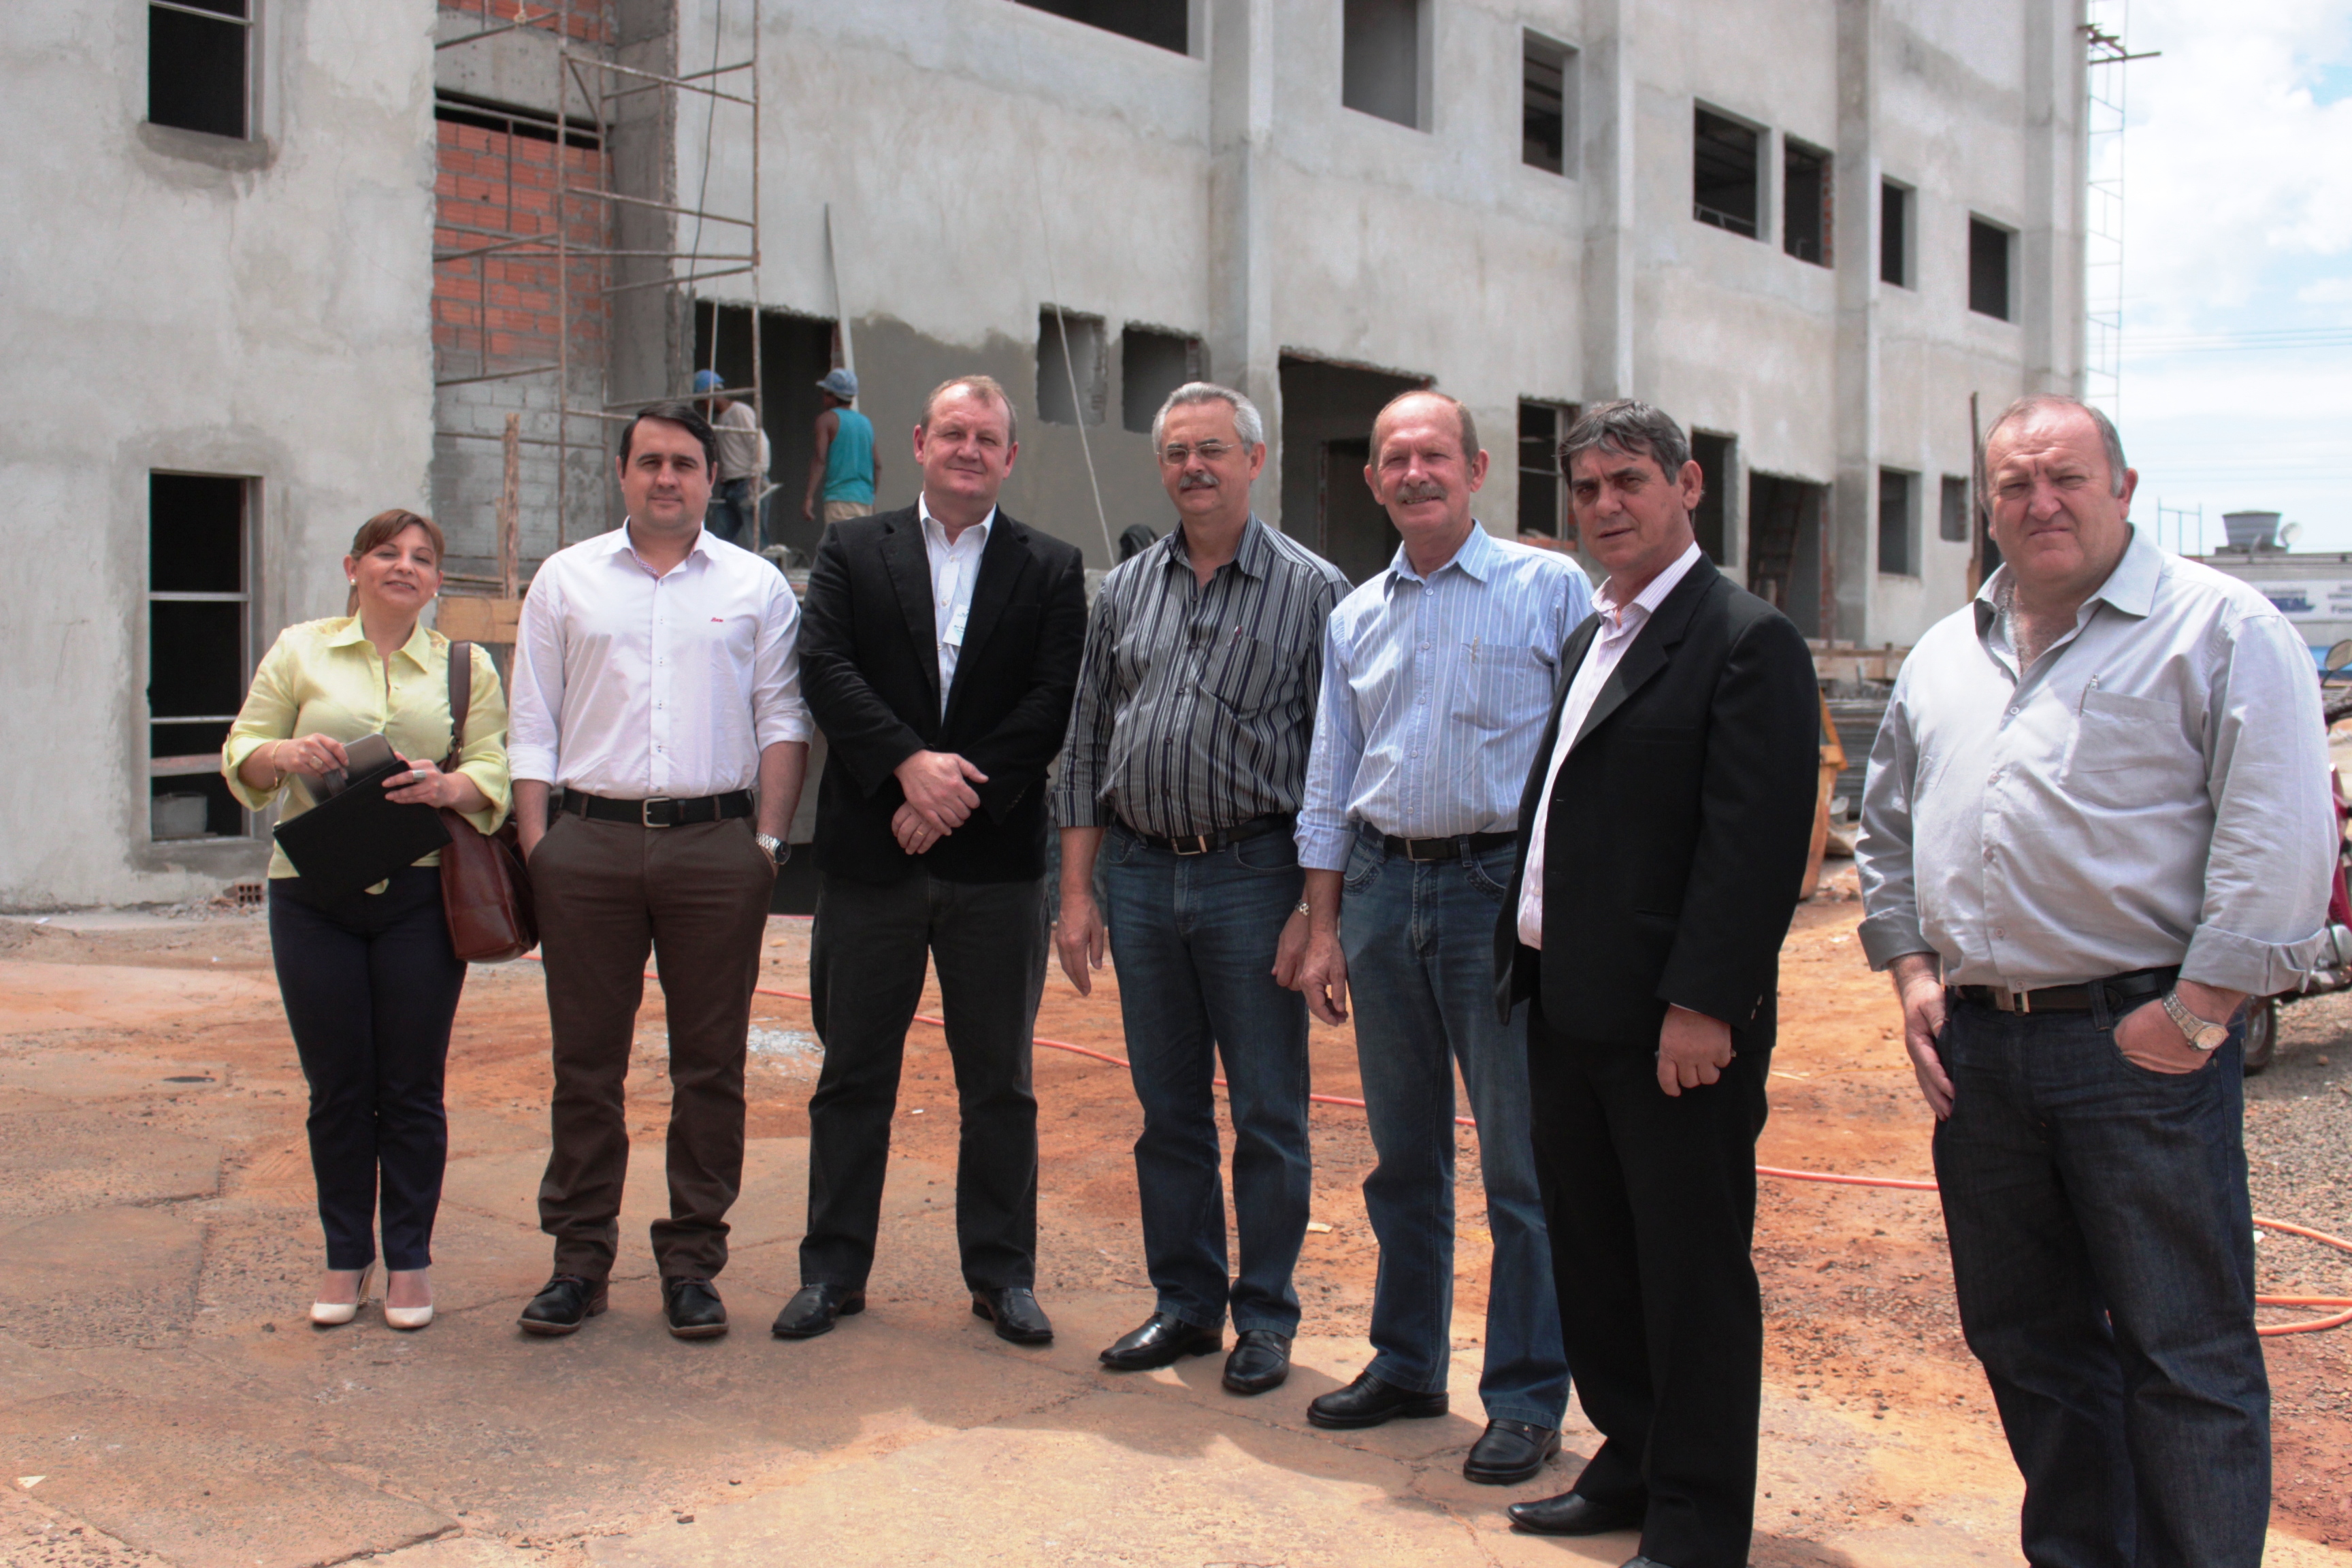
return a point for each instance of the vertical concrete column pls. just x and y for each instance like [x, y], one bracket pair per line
[1851, 548]
[652, 333]
[1243, 352]
[1606, 160]
[2047, 281]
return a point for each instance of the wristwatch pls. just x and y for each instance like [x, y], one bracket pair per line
[2203, 1036]
[778, 850]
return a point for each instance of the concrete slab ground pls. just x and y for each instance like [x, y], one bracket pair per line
[165, 1404]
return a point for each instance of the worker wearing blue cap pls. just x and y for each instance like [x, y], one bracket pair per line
[739, 470]
[845, 469]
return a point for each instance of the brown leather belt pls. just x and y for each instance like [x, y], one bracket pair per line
[661, 811]
[2137, 985]
[1210, 842]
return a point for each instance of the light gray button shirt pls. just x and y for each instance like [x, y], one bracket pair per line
[2153, 791]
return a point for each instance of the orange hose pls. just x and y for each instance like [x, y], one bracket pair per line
[1898, 1184]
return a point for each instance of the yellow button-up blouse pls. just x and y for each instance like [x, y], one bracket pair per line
[323, 677]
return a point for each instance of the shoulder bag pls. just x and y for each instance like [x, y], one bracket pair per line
[484, 891]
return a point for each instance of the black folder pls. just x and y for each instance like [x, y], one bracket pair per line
[356, 838]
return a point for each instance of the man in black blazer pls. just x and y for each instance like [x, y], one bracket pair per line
[1663, 830]
[939, 651]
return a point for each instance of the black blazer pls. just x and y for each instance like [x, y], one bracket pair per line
[1684, 816]
[870, 671]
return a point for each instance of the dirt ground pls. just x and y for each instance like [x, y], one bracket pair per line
[164, 1038]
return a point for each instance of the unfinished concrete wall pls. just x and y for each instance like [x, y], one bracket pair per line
[181, 302]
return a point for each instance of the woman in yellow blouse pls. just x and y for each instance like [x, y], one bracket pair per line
[368, 980]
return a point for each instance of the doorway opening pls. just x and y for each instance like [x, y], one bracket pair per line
[795, 351]
[1786, 567]
[1327, 442]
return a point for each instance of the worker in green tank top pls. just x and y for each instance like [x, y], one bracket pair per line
[844, 470]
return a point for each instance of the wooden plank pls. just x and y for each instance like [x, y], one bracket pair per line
[462, 619]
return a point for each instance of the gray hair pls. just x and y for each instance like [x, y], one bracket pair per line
[2034, 403]
[1247, 423]
[1632, 428]
[1461, 412]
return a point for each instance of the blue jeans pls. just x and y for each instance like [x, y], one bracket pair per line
[729, 513]
[1420, 941]
[1194, 937]
[2103, 1253]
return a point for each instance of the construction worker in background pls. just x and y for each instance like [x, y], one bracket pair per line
[739, 470]
[844, 470]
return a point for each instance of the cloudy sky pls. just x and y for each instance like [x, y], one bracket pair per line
[2237, 233]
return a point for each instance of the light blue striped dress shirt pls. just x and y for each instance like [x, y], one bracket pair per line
[1435, 692]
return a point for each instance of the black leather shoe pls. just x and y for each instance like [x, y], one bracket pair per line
[814, 1310]
[562, 1304]
[693, 1308]
[1367, 1402]
[1160, 1341]
[1015, 1311]
[1260, 1360]
[1510, 1452]
[1638, 1561]
[1573, 1513]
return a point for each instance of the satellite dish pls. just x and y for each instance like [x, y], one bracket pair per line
[2289, 534]
[2339, 655]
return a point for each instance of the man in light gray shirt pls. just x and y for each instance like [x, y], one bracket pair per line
[2096, 821]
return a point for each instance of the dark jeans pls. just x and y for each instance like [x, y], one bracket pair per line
[1194, 937]
[2103, 1253]
[696, 900]
[1651, 1199]
[370, 986]
[867, 958]
[729, 514]
[1420, 941]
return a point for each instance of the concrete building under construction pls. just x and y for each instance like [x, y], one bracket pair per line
[283, 263]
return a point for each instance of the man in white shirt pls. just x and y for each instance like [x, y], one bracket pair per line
[734, 497]
[941, 652]
[657, 682]
[2096, 821]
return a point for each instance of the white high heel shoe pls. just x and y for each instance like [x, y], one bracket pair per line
[329, 1314]
[403, 1316]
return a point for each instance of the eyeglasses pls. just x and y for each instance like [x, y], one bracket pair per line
[1176, 456]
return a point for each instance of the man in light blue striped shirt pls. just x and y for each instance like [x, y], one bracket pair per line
[1437, 681]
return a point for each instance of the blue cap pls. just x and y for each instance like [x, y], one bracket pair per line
[707, 381]
[842, 384]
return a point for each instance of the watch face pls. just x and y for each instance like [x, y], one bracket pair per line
[2211, 1036]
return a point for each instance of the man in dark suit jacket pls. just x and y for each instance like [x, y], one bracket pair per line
[1665, 827]
[939, 649]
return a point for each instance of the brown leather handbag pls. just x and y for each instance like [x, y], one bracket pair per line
[484, 891]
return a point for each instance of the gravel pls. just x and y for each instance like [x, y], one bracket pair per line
[2299, 1144]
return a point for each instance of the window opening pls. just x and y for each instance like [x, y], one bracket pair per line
[1162, 23]
[1085, 336]
[1547, 108]
[198, 598]
[1895, 235]
[1326, 422]
[1786, 566]
[512, 120]
[1952, 520]
[1898, 533]
[199, 63]
[1723, 173]
[1153, 364]
[1543, 499]
[1805, 203]
[1711, 518]
[1988, 269]
[1379, 58]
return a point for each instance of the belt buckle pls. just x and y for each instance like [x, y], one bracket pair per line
[645, 811]
[1199, 842]
[2009, 1001]
[1419, 859]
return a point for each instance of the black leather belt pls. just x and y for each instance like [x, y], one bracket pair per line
[661, 811]
[1452, 848]
[1210, 843]
[2137, 985]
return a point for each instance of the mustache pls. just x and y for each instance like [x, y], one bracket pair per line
[1414, 491]
[1197, 480]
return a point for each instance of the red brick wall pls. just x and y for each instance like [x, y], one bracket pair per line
[499, 311]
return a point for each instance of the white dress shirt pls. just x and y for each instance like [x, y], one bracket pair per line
[1435, 691]
[1621, 623]
[954, 568]
[2151, 791]
[632, 684]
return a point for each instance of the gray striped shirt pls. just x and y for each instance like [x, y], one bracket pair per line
[1196, 705]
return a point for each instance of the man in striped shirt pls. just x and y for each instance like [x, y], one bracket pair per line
[1187, 752]
[1437, 682]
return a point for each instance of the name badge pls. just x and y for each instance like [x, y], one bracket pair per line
[954, 638]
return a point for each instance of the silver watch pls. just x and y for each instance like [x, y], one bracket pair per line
[2205, 1036]
[778, 850]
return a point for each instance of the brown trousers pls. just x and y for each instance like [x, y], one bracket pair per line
[696, 899]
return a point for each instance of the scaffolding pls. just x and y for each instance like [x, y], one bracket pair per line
[2103, 216]
[574, 220]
